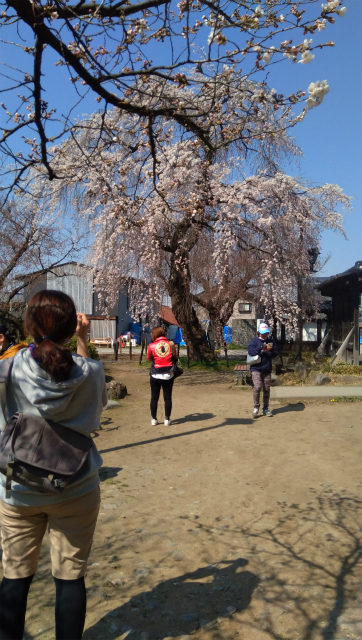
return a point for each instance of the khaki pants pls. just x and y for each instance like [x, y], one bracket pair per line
[71, 527]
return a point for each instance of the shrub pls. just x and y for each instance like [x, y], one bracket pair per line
[72, 345]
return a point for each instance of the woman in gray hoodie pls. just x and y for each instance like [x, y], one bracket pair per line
[47, 380]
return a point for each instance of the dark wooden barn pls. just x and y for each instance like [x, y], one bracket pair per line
[345, 290]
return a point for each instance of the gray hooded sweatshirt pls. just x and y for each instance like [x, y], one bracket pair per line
[76, 403]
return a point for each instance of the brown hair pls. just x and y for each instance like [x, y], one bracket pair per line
[157, 332]
[51, 318]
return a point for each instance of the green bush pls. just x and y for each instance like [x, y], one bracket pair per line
[233, 346]
[326, 368]
[72, 345]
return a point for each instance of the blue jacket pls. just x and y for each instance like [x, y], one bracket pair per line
[255, 349]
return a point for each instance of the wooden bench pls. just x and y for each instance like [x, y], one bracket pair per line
[242, 372]
[101, 342]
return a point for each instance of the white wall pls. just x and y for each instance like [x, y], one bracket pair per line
[309, 332]
[77, 282]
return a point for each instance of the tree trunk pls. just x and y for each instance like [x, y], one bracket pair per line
[218, 327]
[219, 314]
[179, 289]
[299, 330]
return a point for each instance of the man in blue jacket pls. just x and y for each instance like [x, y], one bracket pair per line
[264, 347]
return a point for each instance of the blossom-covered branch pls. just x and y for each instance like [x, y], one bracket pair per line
[108, 46]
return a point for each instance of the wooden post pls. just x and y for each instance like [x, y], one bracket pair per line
[130, 346]
[282, 342]
[282, 333]
[319, 331]
[356, 348]
[226, 354]
[299, 329]
[322, 345]
[343, 348]
[188, 358]
[142, 349]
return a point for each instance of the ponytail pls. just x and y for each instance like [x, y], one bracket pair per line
[54, 359]
[51, 319]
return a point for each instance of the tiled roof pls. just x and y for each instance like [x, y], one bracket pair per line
[166, 314]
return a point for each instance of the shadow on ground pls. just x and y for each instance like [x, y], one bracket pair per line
[227, 423]
[293, 573]
[302, 573]
[105, 473]
[298, 406]
[191, 600]
[194, 417]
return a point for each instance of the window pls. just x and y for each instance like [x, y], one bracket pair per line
[245, 307]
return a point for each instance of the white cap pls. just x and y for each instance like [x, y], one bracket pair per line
[264, 328]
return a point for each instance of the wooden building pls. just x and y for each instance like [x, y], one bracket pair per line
[77, 281]
[345, 290]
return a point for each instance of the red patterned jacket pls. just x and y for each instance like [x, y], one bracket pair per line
[160, 353]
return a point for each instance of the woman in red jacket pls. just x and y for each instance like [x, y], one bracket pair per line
[161, 353]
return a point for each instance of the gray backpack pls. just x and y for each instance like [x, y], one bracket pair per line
[40, 454]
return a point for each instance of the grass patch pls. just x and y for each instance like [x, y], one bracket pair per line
[346, 399]
[196, 365]
[232, 346]
[214, 365]
[343, 369]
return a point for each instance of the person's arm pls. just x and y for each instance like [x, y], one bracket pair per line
[81, 333]
[149, 353]
[254, 348]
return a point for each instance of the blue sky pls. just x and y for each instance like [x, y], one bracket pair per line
[330, 137]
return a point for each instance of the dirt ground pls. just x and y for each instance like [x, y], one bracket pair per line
[221, 526]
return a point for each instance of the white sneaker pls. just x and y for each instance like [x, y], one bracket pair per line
[154, 422]
[255, 412]
[167, 423]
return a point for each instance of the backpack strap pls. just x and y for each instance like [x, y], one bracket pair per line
[9, 475]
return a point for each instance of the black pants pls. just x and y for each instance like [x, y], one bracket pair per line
[115, 349]
[156, 385]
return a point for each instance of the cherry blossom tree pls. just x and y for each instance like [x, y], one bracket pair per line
[104, 48]
[151, 201]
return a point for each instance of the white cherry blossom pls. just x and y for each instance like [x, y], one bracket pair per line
[317, 91]
[306, 57]
[321, 24]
